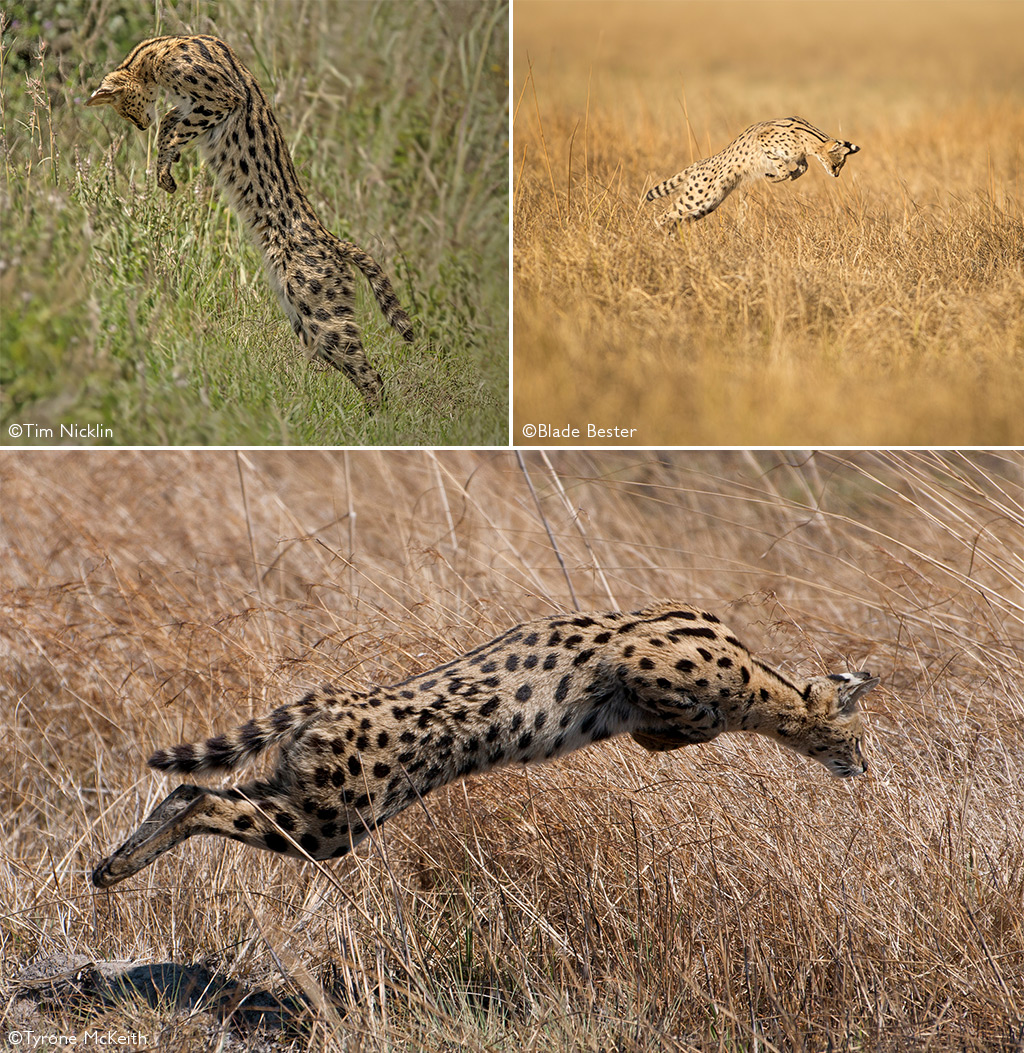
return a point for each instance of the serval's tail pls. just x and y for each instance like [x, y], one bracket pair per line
[228, 751]
[666, 188]
[382, 290]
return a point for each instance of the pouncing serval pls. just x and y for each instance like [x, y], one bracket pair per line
[670, 675]
[773, 150]
[218, 103]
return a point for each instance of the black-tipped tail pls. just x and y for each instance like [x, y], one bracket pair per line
[221, 753]
[226, 752]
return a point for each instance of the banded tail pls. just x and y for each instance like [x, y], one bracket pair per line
[666, 188]
[228, 751]
[382, 291]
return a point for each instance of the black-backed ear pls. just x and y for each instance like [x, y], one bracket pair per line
[851, 687]
[104, 96]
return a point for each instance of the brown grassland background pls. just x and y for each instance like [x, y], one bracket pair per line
[727, 897]
[885, 307]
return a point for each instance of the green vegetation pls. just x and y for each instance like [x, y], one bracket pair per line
[147, 315]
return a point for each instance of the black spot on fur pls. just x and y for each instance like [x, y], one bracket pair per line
[275, 842]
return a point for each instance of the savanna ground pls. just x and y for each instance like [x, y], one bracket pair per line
[147, 317]
[885, 307]
[726, 897]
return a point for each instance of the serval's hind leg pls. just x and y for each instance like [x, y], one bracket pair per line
[168, 824]
[253, 814]
[343, 349]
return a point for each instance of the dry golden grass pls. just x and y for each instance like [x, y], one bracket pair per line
[882, 308]
[731, 896]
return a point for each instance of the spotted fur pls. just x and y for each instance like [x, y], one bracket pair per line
[218, 103]
[670, 675]
[775, 150]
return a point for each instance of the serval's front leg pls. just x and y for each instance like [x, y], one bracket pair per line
[178, 128]
[785, 168]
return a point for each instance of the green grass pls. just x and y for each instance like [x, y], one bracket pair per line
[147, 315]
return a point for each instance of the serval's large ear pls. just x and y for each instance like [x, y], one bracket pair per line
[110, 90]
[105, 95]
[851, 687]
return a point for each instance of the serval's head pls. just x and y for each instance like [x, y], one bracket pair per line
[833, 155]
[830, 728]
[132, 98]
